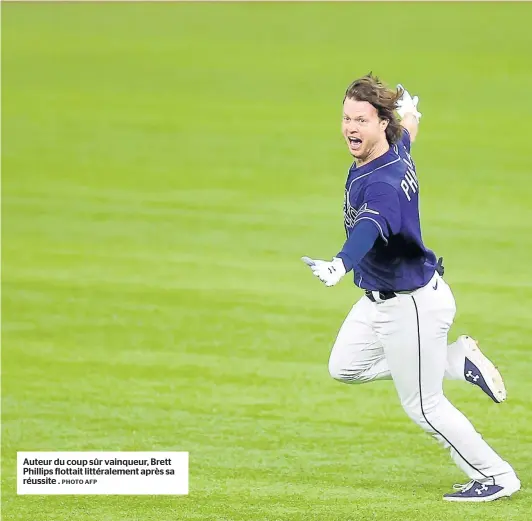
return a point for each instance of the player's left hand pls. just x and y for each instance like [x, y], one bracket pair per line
[329, 272]
[407, 104]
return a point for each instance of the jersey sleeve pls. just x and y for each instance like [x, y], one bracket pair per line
[360, 241]
[405, 140]
[382, 207]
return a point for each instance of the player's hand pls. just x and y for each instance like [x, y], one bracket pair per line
[407, 104]
[329, 272]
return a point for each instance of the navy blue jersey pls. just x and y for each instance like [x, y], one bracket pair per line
[385, 191]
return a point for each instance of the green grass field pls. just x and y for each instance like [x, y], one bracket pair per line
[165, 166]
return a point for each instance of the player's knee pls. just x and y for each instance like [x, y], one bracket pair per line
[413, 411]
[339, 371]
[335, 369]
[419, 418]
[426, 415]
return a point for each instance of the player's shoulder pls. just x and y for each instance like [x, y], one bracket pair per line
[392, 170]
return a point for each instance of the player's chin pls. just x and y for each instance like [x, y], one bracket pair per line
[357, 153]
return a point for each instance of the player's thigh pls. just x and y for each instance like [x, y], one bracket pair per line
[413, 330]
[356, 347]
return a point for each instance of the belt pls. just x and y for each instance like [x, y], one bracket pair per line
[383, 295]
[386, 295]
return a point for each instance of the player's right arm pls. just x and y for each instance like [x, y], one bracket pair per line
[361, 240]
[379, 216]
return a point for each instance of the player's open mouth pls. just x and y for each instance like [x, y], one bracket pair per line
[354, 143]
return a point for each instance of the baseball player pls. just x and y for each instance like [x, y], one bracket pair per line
[398, 329]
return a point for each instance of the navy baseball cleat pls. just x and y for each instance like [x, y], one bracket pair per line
[480, 371]
[477, 492]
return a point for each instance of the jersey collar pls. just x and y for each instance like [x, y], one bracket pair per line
[375, 163]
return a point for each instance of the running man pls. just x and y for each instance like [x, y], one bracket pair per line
[398, 329]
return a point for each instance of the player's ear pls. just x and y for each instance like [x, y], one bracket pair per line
[384, 124]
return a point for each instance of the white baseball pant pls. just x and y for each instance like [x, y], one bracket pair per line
[405, 339]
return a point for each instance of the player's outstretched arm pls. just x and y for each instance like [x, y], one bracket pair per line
[407, 110]
[360, 241]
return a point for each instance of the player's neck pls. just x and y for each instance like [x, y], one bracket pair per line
[379, 150]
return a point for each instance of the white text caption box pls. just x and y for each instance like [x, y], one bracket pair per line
[134, 473]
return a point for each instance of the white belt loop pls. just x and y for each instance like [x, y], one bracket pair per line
[377, 296]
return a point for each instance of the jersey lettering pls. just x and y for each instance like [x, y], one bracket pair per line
[409, 183]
